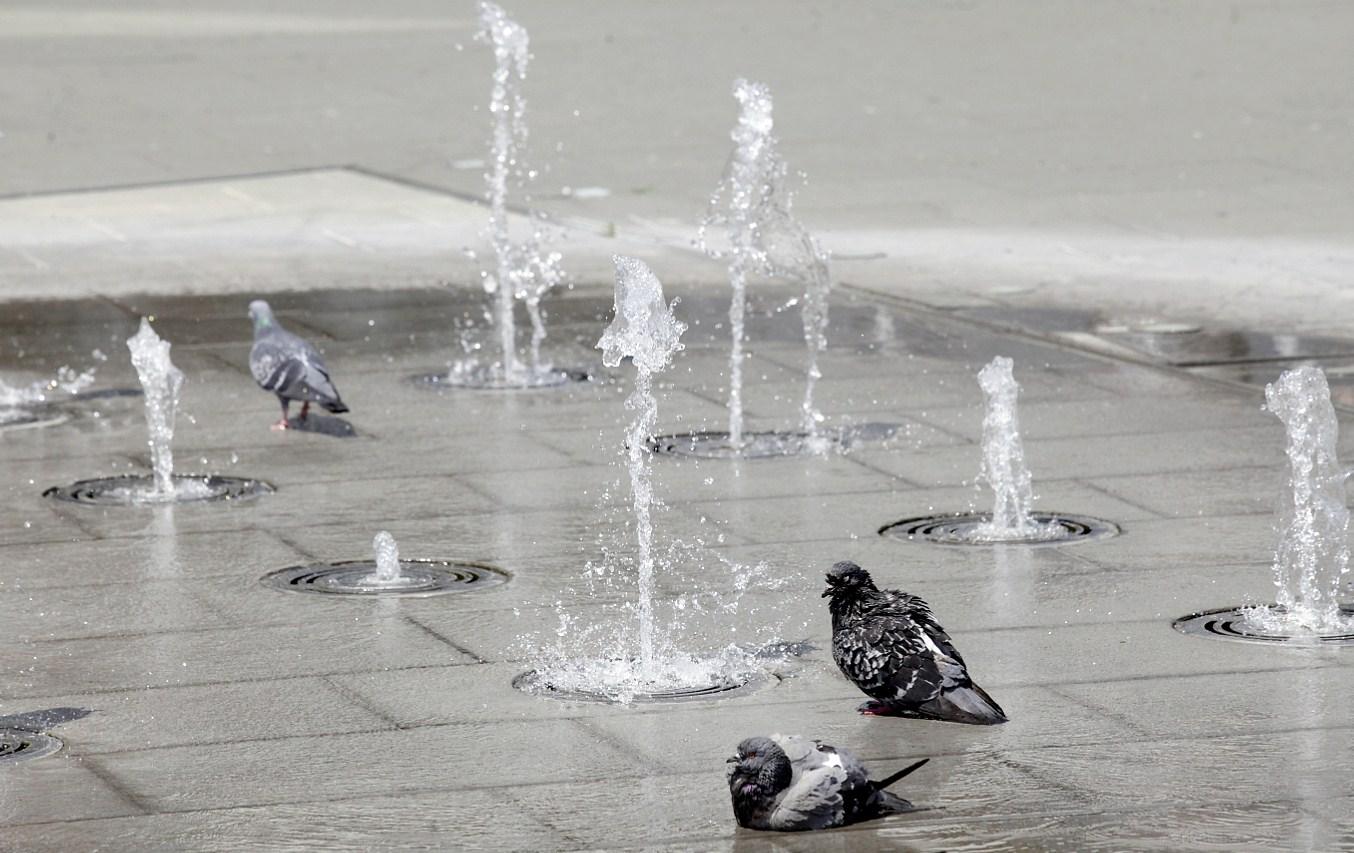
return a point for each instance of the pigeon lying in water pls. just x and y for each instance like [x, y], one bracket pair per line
[289, 366]
[891, 646]
[789, 784]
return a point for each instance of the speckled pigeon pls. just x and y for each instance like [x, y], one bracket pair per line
[289, 366]
[790, 784]
[891, 646]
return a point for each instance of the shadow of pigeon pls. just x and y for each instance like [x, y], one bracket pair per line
[41, 721]
[323, 425]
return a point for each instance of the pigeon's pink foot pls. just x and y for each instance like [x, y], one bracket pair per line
[305, 410]
[280, 425]
[877, 709]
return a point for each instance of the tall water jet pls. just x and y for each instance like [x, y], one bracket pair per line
[161, 383]
[523, 270]
[645, 331]
[636, 657]
[1312, 554]
[1003, 465]
[751, 203]
[815, 317]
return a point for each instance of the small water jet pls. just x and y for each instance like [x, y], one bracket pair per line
[523, 269]
[643, 665]
[387, 572]
[1013, 519]
[1311, 557]
[1004, 466]
[752, 205]
[387, 575]
[161, 384]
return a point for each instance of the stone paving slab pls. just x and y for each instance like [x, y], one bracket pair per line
[219, 700]
[324, 766]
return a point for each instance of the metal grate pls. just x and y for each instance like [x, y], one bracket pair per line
[123, 490]
[963, 529]
[421, 578]
[1230, 623]
[536, 683]
[18, 745]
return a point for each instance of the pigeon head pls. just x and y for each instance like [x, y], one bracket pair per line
[261, 314]
[847, 578]
[760, 769]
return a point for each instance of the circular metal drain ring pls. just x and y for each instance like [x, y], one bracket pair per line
[480, 381]
[18, 745]
[768, 444]
[118, 491]
[426, 578]
[1229, 623]
[956, 529]
[531, 682]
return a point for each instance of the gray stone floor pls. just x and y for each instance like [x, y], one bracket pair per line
[232, 717]
[1042, 180]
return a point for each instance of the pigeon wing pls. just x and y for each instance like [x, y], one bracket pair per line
[920, 613]
[814, 798]
[890, 654]
[291, 368]
[857, 791]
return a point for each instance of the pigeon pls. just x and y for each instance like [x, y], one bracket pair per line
[788, 783]
[289, 366]
[890, 645]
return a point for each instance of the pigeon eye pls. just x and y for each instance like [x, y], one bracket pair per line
[751, 755]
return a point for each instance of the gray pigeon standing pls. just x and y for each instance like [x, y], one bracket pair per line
[892, 647]
[790, 784]
[289, 366]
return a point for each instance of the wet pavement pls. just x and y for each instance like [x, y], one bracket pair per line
[1141, 203]
[230, 716]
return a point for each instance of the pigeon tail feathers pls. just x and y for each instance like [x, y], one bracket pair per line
[969, 704]
[906, 771]
[886, 803]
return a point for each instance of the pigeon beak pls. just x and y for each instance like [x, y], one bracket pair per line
[732, 759]
[831, 587]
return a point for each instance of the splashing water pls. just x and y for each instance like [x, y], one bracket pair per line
[161, 383]
[720, 599]
[1004, 466]
[753, 205]
[1312, 555]
[387, 561]
[522, 269]
[637, 656]
[15, 399]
